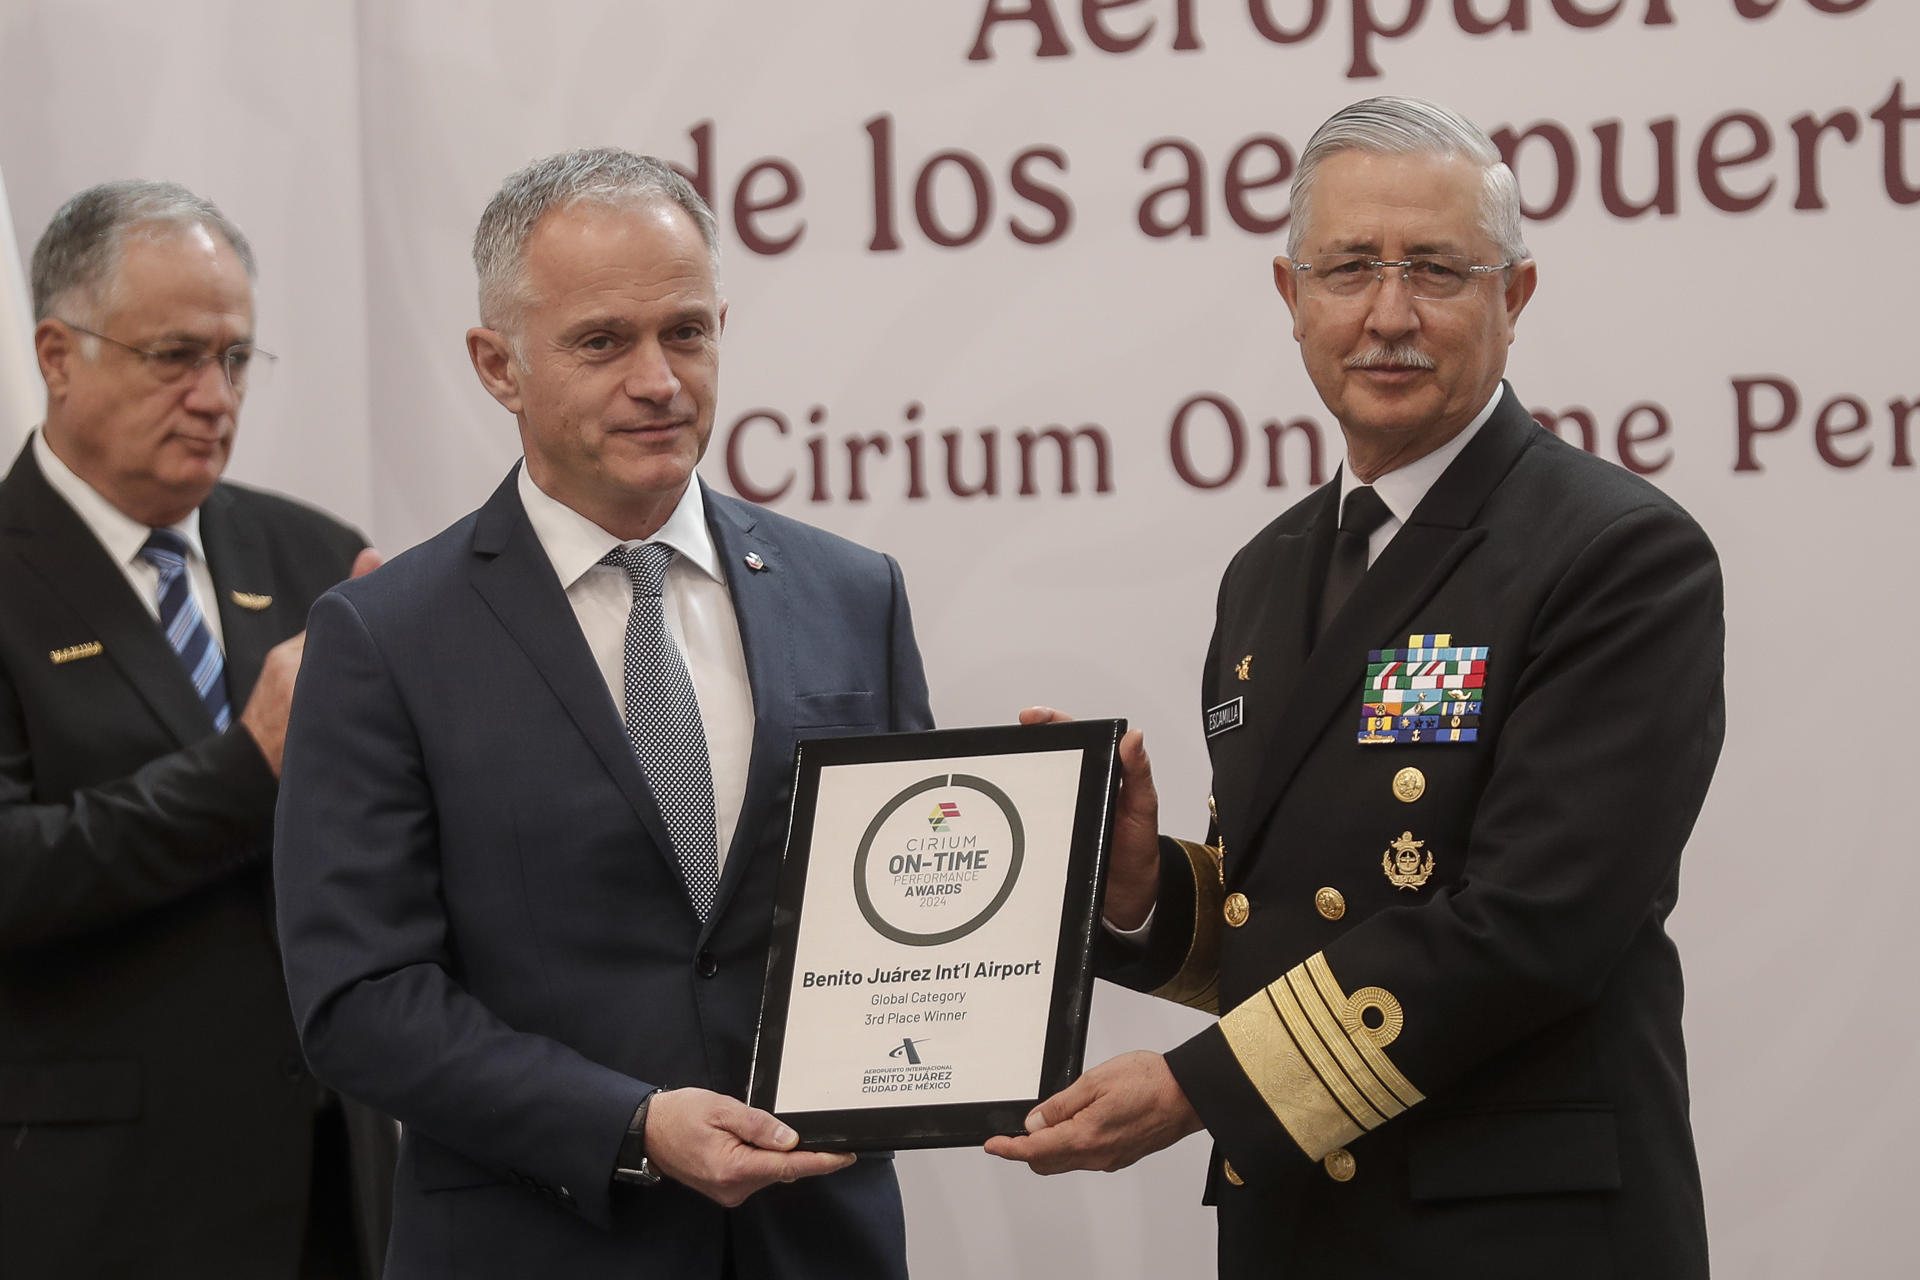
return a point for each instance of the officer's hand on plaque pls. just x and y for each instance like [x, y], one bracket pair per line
[725, 1149]
[1133, 866]
[1123, 1109]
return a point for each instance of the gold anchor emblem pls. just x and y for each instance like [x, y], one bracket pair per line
[1402, 862]
[1242, 667]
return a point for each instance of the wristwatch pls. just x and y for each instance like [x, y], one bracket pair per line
[633, 1167]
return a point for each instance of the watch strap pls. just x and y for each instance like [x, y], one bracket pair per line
[633, 1168]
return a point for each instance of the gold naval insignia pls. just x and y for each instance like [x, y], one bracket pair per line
[1244, 666]
[1219, 842]
[1402, 862]
[75, 652]
[250, 601]
[1409, 784]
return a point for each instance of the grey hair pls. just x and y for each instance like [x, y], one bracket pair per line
[1408, 126]
[79, 253]
[604, 176]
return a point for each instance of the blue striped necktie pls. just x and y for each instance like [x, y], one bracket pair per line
[663, 723]
[186, 629]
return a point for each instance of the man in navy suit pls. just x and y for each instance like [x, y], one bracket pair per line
[536, 784]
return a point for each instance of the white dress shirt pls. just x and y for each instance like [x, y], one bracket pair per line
[1402, 488]
[699, 614]
[123, 536]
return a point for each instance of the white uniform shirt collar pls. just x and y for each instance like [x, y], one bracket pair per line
[118, 532]
[575, 544]
[1403, 488]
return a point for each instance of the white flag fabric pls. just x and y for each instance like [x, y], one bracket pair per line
[22, 396]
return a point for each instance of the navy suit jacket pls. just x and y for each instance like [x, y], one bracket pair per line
[486, 935]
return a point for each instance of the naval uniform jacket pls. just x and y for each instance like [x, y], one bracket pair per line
[156, 1117]
[1468, 1066]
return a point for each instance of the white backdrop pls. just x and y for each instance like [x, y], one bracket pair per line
[1724, 195]
[21, 401]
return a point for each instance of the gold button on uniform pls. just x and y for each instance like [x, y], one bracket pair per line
[1226, 1167]
[1329, 903]
[1409, 784]
[1340, 1166]
[1236, 910]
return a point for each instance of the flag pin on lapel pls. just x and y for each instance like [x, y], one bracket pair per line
[755, 563]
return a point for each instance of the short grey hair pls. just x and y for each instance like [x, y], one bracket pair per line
[1408, 126]
[78, 257]
[604, 176]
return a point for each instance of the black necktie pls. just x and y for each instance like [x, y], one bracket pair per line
[1360, 515]
[663, 723]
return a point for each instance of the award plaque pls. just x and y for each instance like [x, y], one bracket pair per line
[930, 971]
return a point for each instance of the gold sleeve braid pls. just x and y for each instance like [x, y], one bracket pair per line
[1197, 984]
[1317, 1055]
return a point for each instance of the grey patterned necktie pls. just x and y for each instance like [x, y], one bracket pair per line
[663, 723]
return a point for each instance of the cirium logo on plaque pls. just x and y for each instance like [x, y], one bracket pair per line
[926, 879]
[930, 969]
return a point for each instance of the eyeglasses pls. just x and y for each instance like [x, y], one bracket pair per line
[240, 362]
[1434, 277]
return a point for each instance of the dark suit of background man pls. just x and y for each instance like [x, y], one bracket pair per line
[155, 1115]
[526, 886]
[1434, 902]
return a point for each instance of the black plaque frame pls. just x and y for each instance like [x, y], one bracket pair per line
[915, 1125]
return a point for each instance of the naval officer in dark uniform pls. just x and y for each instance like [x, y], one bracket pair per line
[1463, 704]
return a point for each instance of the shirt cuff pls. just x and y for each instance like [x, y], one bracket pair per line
[1138, 937]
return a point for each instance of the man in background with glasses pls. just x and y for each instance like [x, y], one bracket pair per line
[156, 1117]
[1463, 704]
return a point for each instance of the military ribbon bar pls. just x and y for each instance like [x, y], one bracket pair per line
[1428, 692]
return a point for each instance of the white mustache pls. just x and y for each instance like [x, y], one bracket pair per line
[1393, 357]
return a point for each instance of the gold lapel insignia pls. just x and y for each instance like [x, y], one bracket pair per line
[248, 600]
[1219, 845]
[75, 652]
[1402, 862]
[1244, 666]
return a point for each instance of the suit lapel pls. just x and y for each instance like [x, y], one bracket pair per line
[238, 562]
[1420, 558]
[1278, 606]
[513, 575]
[58, 545]
[763, 607]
